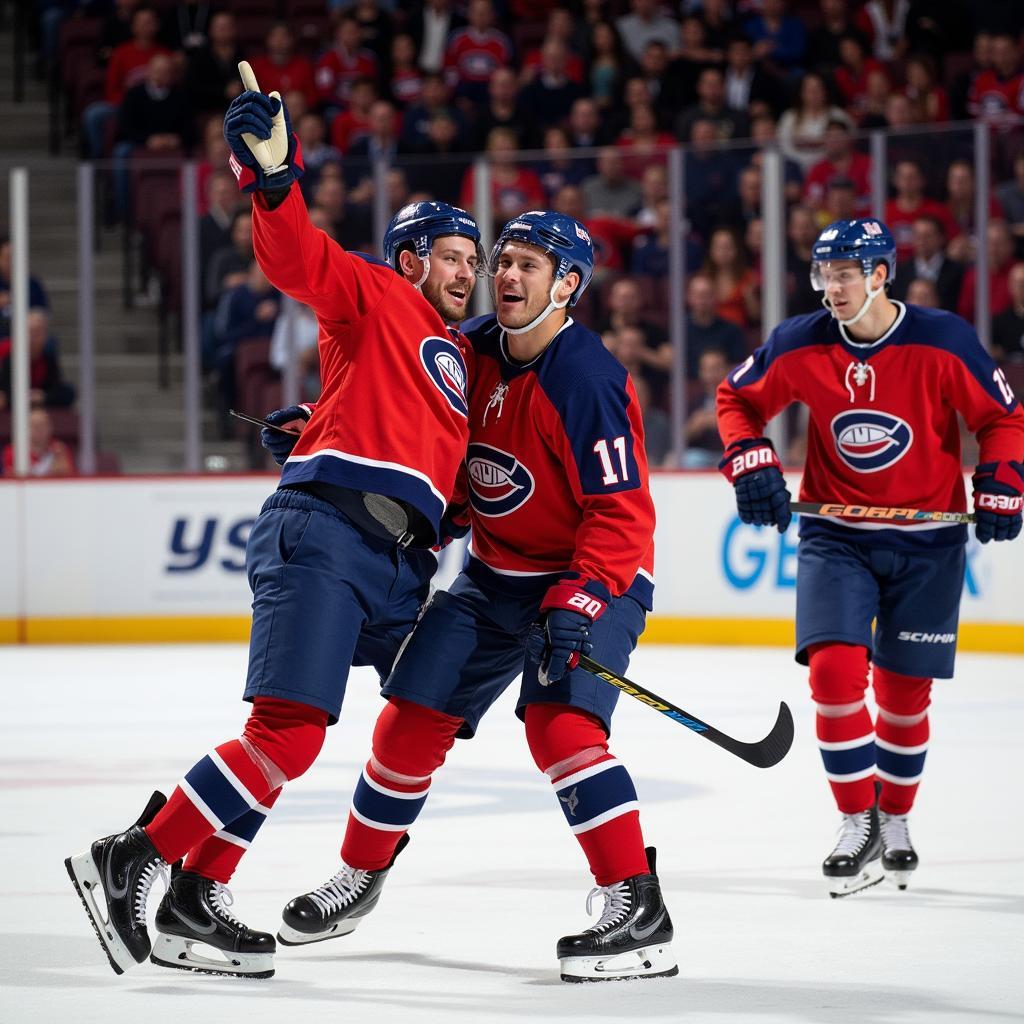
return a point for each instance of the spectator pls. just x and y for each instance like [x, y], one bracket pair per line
[116, 29]
[884, 23]
[406, 78]
[779, 39]
[960, 205]
[840, 202]
[1000, 263]
[431, 24]
[37, 297]
[710, 106]
[375, 27]
[613, 237]
[650, 252]
[706, 329]
[440, 175]
[48, 455]
[351, 223]
[823, 42]
[922, 89]
[296, 335]
[654, 188]
[127, 67]
[747, 205]
[627, 344]
[609, 191]
[416, 136]
[223, 200]
[183, 26]
[281, 69]
[719, 25]
[921, 292]
[559, 168]
[996, 92]
[559, 28]
[229, 264]
[962, 88]
[609, 64]
[473, 53]
[642, 144]
[47, 386]
[653, 68]
[703, 443]
[710, 177]
[801, 233]
[908, 204]
[586, 130]
[643, 24]
[155, 114]
[679, 86]
[930, 263]
[745, 81]
[502, 110]
[212, 80]
[736, 286]
[316, 152]
[379, 143]
[1010, 195]
[763, 133]
[625, 304]
[342, 66]
[657, 428]
[802, 128]
[1008, 326]
[840, 160]
[353, 123]
[514, 188]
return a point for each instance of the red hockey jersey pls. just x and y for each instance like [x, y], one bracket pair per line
[392, 414]
[883, 417]
[557, 473]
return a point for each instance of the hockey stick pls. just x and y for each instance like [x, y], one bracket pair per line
[261, 423]
[878, 513]
[763, 754]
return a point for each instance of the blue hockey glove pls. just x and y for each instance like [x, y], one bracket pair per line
[265, 153]
[280, 445]
[998, 499]
[563, 634]
[754, 470]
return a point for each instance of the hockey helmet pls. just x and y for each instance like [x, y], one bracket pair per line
[422, 223]
[864, 239]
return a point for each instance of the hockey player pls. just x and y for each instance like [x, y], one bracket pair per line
[562, 522]
[338, 559]
[883, 382]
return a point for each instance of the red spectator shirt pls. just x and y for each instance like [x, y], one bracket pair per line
[824, 171]
[348, 128]
[473, 56]
[508, 199]
[392, 416]
[883, 427]
[127, 67]
[295, 76]
[900, 222]
[999, 298]
[534, 61]
[335, 73]
[854, 87]
[999, 100]
[406, 87]
[557, 472]
[42, 463]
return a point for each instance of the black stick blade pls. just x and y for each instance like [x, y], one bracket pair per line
[765, 753]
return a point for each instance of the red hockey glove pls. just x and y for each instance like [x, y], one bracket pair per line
[998, 500]
[754, 470]
[563, 633]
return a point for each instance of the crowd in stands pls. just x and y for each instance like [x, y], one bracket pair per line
[593, 92]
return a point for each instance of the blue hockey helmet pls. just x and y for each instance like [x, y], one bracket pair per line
[422, 223]
[864, 239]
[556, 233]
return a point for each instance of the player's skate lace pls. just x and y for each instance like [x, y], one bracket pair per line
[616, 905]
[220, 899]
[895, 834]
[854, 832]
[150, 873]
[340, 890]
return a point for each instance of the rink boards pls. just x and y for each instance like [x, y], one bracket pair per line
[163, 559]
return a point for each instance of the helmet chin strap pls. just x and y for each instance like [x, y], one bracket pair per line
[872, 294]
[426, 273]
[550, 308]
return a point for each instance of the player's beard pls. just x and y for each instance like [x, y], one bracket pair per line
[438, 297]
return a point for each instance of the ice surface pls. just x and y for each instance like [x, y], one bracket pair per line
[467, 927]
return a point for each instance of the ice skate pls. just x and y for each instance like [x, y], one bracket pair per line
[632, 939]
[195, 932]
[336, 907]
[122, 868]
[855, 863]
[899, 859]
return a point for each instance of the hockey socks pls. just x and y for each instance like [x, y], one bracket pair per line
[410, 743]
[846, 736]
[594, 790]
[225, 794]
[902, 737]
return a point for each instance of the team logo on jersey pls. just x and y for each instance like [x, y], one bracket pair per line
[868, 440]
[498, 482]
[444, 363]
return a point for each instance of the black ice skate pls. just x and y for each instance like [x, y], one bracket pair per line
[855, 862]
[632, 939]
[192, 914]
[899, 859]
[336, 907]
[122, 868]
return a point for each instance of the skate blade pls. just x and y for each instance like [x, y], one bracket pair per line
[646, 962]
[901, 879]
[871, 875]
[291, 937]
[190, 955]
[85, 877]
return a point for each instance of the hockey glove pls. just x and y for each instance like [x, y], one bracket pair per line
[563, 634]
[754, 470]
[265, 153]
[998, 499]
[279, 444]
